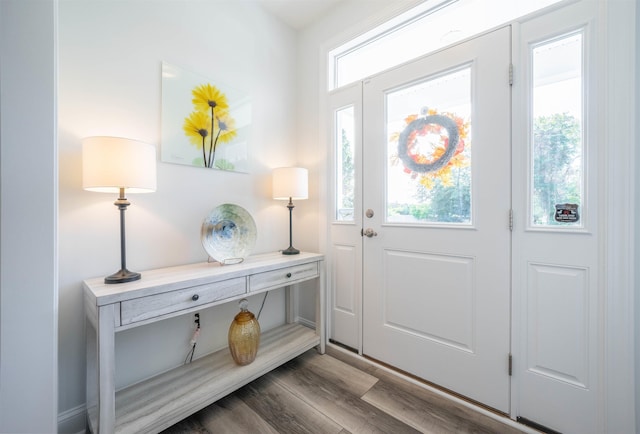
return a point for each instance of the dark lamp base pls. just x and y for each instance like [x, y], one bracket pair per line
[291, 251]
[122, 276]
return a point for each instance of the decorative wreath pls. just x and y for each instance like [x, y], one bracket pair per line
[415, 127]
[453, 132]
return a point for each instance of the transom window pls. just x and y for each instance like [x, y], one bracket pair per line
[432, 25]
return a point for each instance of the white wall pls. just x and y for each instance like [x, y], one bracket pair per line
[110, 84]
[28, 222]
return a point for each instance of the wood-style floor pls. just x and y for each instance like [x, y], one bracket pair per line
[336, 393]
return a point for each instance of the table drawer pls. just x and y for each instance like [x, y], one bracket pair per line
[283, 276]
[143, 308]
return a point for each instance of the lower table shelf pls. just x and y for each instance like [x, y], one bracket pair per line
[163, 400]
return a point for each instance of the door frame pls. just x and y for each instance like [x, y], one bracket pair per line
[619, 225]
[620, 219]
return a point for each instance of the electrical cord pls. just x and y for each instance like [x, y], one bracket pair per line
[196, 333]
[194, 341]
[263, 300]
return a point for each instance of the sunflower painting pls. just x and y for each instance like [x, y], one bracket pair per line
[203, 124]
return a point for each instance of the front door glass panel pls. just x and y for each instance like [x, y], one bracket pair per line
[428, 126]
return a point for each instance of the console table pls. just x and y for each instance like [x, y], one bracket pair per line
[161, 401]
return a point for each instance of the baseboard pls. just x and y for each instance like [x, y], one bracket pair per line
[73, 421]
[305, 322]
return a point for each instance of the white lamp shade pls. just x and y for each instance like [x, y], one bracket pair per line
[111, 163]
[290, 182]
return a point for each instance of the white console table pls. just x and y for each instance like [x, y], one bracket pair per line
[161, 401]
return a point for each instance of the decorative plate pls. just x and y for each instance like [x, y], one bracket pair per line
[228, 234]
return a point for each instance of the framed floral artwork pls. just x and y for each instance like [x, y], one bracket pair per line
[205, 123]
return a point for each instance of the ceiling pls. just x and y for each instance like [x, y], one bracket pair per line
[298, 13]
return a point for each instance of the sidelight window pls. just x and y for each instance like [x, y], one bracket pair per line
[345, 170]
[557, 163]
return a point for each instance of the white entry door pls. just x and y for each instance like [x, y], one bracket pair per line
[436, 202]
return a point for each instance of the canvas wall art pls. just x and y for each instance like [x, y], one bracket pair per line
[205, 123]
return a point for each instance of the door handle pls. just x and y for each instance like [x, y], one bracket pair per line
[369, 232]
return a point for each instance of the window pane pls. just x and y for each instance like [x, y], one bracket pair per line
[434, 23]
[429, 151]
[345, 151]
[557, 149]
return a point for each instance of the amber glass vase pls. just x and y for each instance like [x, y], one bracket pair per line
[244, 336]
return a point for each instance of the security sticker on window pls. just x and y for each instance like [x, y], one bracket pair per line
[567, 213]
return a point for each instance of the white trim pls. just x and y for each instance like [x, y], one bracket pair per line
[305, 322]
[618, 256]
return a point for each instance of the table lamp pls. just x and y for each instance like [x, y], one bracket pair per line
[113, 165]
[290, 183]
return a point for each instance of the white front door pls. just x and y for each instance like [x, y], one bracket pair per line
[437, 186]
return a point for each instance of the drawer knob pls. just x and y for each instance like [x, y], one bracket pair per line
[288, 275]
[195, 297]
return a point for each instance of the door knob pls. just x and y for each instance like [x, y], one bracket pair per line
[369, 232]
